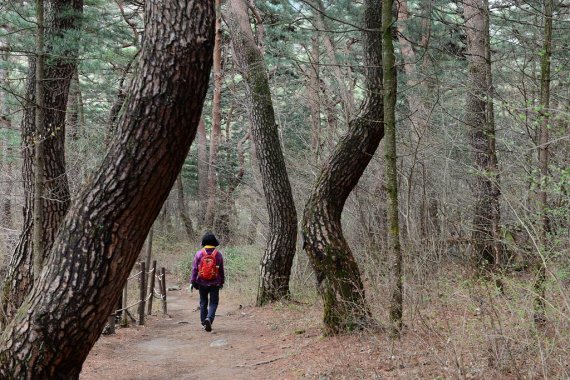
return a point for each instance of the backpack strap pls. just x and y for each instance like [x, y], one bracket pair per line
[204, 252]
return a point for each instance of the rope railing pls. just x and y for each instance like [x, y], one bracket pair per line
[134, 275]
[145, 297]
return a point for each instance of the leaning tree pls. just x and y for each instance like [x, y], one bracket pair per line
[105, 228]
[275, 267]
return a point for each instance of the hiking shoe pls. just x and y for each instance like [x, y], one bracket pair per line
[207, 325]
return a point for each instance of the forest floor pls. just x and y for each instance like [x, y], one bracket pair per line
[449, 339]
[281, 341]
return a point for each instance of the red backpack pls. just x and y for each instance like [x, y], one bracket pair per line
[208, 270]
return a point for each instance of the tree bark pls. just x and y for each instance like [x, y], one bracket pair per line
[104, 231]
[62, 19]
[275, 267]
[479, 118]
[74, 107]
[338, 277]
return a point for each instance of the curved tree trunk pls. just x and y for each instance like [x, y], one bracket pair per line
[337, 272]
[275, 268]
[62, 19]
[105, 229]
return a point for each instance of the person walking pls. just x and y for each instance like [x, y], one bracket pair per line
[208, 277]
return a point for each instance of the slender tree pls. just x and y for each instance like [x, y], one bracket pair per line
[216, 130]
[338, 277]
[202, 170]
[275, 267]
[39, 163]
[390, 93]
[543, 142]
[104, 231]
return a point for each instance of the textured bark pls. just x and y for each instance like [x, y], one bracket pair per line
[275, 267]
[479, 119]
[543, 145]
[74, 107]
[337, 272]
[216, 132]
[104, 231]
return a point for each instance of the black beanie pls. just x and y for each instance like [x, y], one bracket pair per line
[210, 239]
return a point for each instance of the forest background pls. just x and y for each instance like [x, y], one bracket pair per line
[509, 303]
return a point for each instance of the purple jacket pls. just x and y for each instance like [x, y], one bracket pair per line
[196, 264]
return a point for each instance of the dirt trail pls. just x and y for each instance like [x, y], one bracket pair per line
[177, 347]
[280, 341]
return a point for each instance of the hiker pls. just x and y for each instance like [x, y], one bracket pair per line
[208, 277]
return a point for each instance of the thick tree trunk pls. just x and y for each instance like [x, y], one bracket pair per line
[479, 118]
[275, 268]
[337, 272]
[104, 231]
[216, 132]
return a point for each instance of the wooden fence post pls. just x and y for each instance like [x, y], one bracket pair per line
[125, 316]
[151, 287]
[163, 283]
[142, 293]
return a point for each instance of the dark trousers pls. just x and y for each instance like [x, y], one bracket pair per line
[208, 310]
